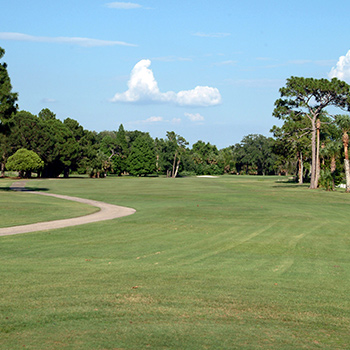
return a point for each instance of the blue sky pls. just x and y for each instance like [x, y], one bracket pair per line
[208, 70]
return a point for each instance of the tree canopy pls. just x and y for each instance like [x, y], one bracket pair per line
[308, 98]
[24, 162]
[8, 98]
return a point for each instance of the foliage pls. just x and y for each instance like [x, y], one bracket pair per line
[255, 156]
[62, 146]
[326, 180]
[227, 160]
[206, 158]
[291, 146]
[142, 158]
[170, 154]
[24, 161]
[308, 98]
[8, 98]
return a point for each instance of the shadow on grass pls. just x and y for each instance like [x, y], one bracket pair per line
[290, 185]
[21, 189]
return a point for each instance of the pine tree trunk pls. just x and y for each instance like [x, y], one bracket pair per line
[333, 164]
[301, 168]
[318, 165]
[174, 163]
[347, 174]
[313, 184]
[346, 160]
[177, 168]
[2, 169]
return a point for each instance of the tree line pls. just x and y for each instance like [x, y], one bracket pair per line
[311, 144]
[65, 147]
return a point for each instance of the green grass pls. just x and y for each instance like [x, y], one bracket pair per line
[227, 263]
[18, 208]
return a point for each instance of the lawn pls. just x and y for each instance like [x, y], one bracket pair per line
[18, 208]
[227, 263]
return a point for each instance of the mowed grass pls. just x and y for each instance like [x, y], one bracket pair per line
[18, 208]
[227, 263]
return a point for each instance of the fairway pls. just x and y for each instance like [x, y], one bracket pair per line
[18, 208]
[234, 262]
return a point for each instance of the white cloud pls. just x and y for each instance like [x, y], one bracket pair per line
[154, 119]
[142, 87]
[48, 100]
[342, 68]
[86, 42]
[226, 63]
[176, 120]
[194, 117]
[123, 5]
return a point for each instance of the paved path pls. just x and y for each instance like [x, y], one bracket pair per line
[107, 212]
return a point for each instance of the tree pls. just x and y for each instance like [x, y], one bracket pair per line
[142, 158]
[8, 107]
[120, 158]
[206, 158]
[24, 161]
[5, 149]
[227, 160]
[308, 97]
[45, 114]
[86, 147]
[291, 144]
[255, 154]
[170, 153]
[8, 98]
[49, 138]
[343, 121]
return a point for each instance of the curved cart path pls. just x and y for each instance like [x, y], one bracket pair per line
[107, 212]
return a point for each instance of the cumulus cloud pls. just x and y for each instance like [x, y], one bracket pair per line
[143, 88]
[194, 117]
[154, 119]
[342, 68]
[86, 42]
[123, 5]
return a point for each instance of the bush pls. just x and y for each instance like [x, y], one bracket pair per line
[24, 162]
[326, 180]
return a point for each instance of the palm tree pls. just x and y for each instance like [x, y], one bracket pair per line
[330, 151]
[343, 121]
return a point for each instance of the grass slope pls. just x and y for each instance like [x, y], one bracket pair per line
[227, 263]
[18, 208]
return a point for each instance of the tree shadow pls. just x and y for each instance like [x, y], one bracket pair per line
[290, 184]
[23, 189]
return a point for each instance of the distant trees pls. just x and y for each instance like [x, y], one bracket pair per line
[291, 145]
[142, 158]
[307, 145]
[61, 145]
[206, 159]
[170, 153]
[255, 155]
[308, 98]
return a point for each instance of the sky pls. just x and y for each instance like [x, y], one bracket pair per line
[208, 70]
